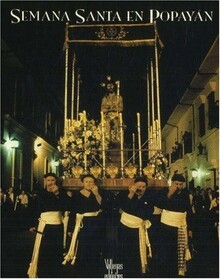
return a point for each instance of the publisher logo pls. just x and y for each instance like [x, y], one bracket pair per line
[113, 269]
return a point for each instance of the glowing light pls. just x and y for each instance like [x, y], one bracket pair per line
[194, 173]
[55, 163]
[13, 143]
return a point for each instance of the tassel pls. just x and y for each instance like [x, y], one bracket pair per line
[73, 261]
[188, 255]
[181, 272]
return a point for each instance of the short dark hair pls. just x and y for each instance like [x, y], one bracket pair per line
[50, 174]
[140, 179]
[88, 175]
[178, 177]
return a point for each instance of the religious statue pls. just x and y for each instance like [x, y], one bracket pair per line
[112, 105]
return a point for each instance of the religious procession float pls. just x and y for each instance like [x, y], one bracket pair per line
[99, 147]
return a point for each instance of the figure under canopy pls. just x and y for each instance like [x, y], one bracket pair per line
[112, 105]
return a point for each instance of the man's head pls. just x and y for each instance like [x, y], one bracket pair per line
[141, 183]
[50, 182]
[110, 87]
[10, 189]
[88, 181]
[178, 180]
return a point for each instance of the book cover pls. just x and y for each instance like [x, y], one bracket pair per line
[60, 59]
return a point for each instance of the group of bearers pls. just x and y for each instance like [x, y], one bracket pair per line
[71, 233]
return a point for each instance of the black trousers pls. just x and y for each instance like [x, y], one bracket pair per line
[169, 251]
[51, 252]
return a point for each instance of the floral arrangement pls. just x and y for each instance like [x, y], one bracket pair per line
[159, 162]
[83, 138]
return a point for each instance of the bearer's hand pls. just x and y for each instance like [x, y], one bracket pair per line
[132, 190]
[172, 189]
[95, 190]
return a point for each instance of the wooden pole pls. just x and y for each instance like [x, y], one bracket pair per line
[152, 110]
[122, 144]
[157, 88]
[77, 101]
[148, 113]
[103, 144]
[139, 143]
[66, 77]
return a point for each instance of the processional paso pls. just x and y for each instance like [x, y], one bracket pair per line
[100, 148]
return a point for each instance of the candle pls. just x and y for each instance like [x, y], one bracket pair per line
[102, 118]
[118, 87]
[122, 144]
[84, 117]
[139, 143]
[120, 119]
[85, 140]
[73, 87]
[156, 134]
[133, 146]
[77, 101]
[150, 142]
[138, 119]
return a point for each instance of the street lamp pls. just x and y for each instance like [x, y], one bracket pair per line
[194, 173]
[14, 143]
[56, 163]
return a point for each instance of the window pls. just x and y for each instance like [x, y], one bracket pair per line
[213, 120]
[187, 142]
[201, 120]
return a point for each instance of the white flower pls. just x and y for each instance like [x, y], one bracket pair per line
[71, 138]
[88, 133]
[65, 162]
[160, 162]
[77, 124]
[79, 141]
[73, 144]
[97, 135]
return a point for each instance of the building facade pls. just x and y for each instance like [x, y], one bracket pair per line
[190, 137]
[31, 125]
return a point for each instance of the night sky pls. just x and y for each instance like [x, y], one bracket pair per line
[39, 45]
